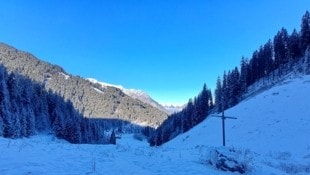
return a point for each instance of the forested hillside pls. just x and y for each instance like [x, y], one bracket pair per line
[273, 60]
[26, 109]
[90, 99]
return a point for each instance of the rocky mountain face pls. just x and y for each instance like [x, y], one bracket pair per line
[91, 98]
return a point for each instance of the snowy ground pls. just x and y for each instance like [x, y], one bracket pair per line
[47, 155]
[270, 136]
[274, 126]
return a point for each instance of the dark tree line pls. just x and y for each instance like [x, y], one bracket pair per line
[26, 109]
[271, 59]
[194, 113]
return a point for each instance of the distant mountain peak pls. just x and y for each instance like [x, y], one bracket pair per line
[133, 93]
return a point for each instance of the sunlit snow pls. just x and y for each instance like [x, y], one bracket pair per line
[270, 136]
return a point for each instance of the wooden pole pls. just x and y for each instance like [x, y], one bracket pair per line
[223, 125]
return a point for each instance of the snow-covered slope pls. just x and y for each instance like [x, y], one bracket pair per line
[277, 119]
[270, 136]
[134, 93]
[274, 124]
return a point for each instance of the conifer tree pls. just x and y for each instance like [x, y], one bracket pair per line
[243, 75]
[218, 95]
[305, 32]
[281, 48]
[294, 46]
[225, 92]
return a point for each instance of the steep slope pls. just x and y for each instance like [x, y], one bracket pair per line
[275, 120]
[92, 99]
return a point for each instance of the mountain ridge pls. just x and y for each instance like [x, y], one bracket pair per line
[134, 93]
[91, 100]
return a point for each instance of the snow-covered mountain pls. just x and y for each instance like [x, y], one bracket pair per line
[110, 102]
[134, 93]
[270, 136]
[173, 108]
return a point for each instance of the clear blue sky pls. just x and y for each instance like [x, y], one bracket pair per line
[167, 48]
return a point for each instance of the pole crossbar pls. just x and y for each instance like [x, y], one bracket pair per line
[219, 116]
[223, 117]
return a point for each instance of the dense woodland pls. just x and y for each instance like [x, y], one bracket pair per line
[92, 100]
[26, 109]
[273, 59]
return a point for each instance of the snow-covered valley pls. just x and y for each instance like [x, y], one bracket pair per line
[270, 136]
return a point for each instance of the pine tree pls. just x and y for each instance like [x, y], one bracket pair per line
[218, 95]
[225, 92]
[281, 48]
[294, 46]
[243, 75]
[211, 102]
[205, 102]
[305, 32]
[236, 88]
[255, 67]
[187, 116]
[267, 56]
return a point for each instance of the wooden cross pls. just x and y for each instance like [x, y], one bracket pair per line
[223, 124]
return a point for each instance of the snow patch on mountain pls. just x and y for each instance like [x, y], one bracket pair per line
[98, 90]
[65, 75]
[173, 108]
[134, 93]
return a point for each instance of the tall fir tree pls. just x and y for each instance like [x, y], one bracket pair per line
[267, 56]
[218, 95]
[243, 75]
[305, 32]
[281, 48]
[294, 46]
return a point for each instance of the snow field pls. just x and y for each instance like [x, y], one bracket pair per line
[270, 137]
